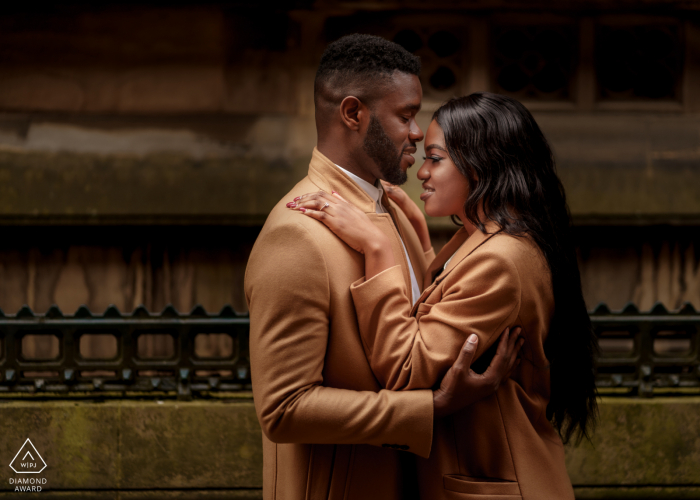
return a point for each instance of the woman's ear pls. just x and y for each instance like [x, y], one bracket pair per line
[353, 113]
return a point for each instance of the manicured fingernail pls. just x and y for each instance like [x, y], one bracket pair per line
[303, 209]
[291, 204]
[472, 338]
[297, 198]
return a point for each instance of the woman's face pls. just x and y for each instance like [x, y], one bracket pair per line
[444, 189]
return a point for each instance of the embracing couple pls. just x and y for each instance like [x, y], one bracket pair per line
[381, 371]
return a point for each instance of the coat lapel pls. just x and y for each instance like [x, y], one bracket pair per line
[324, 174]
[472, 243]
[413, 252]
[445, 253]
[461, 246]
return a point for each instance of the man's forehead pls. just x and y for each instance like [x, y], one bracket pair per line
[404, 91]
[415, 106]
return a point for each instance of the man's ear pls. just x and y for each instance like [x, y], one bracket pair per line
[353, 113]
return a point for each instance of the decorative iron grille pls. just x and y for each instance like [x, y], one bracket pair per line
[655, 352]
[639, 62]
[647, 353]
[441, 56]
[535, 62]
[442, 50]
[176, 368]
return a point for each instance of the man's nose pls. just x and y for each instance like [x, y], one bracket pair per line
[415, 133]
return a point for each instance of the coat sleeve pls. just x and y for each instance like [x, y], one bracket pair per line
[288, 293]
[481, 295]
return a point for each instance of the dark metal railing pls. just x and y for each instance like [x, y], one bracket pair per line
[176, 370]
[642, 353]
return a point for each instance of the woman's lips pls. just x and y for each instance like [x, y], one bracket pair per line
[426, 194]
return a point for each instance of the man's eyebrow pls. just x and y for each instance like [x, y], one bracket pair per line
[435, 146]
[413, 107]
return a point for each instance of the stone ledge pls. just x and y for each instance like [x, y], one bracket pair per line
[638, 493]
[132, 445]
[206, 449]
[641, 442]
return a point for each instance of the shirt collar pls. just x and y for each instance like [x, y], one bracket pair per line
[373, 191]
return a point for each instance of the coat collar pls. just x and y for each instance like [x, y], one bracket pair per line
[328, 177]
[461, 246]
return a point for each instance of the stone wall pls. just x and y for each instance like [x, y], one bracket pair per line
[642, 449]
[142, 121]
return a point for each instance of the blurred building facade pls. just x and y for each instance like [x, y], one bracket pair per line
[142, 146]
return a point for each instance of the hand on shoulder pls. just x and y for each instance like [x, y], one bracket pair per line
[347, 221]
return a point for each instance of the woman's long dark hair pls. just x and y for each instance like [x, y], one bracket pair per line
[496, 144]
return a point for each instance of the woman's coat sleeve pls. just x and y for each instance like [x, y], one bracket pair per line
[480, 295]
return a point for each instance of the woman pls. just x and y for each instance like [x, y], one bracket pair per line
[513, 262]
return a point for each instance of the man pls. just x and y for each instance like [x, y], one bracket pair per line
[330, 431]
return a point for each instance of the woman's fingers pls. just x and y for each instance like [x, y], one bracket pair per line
[344, 203]
[392, 191]
[388, 187]
[318, 215]
[313, 196]
[337, 195]
[348, 222]
[323, 202]
[312, 201]
[319, 205]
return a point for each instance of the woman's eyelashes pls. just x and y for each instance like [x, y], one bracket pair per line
[432, 158]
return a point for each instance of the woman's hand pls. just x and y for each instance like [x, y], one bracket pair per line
[399, 197]
[351, 225]
[347, 221]
[462, 386]
[414, 214]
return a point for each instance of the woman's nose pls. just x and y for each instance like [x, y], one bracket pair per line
[423, 172]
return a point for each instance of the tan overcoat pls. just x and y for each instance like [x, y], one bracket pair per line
[330, 432]
[502, 447]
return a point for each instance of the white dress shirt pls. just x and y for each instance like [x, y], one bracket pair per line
[375, 192]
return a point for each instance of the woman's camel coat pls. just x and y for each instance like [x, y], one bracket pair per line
[330, 432]
[502, 447]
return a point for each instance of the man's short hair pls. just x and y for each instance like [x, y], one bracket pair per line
[359, 65]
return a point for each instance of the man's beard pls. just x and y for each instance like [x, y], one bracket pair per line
[382, 150]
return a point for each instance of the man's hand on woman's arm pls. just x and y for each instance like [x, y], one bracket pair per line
[462, 386]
